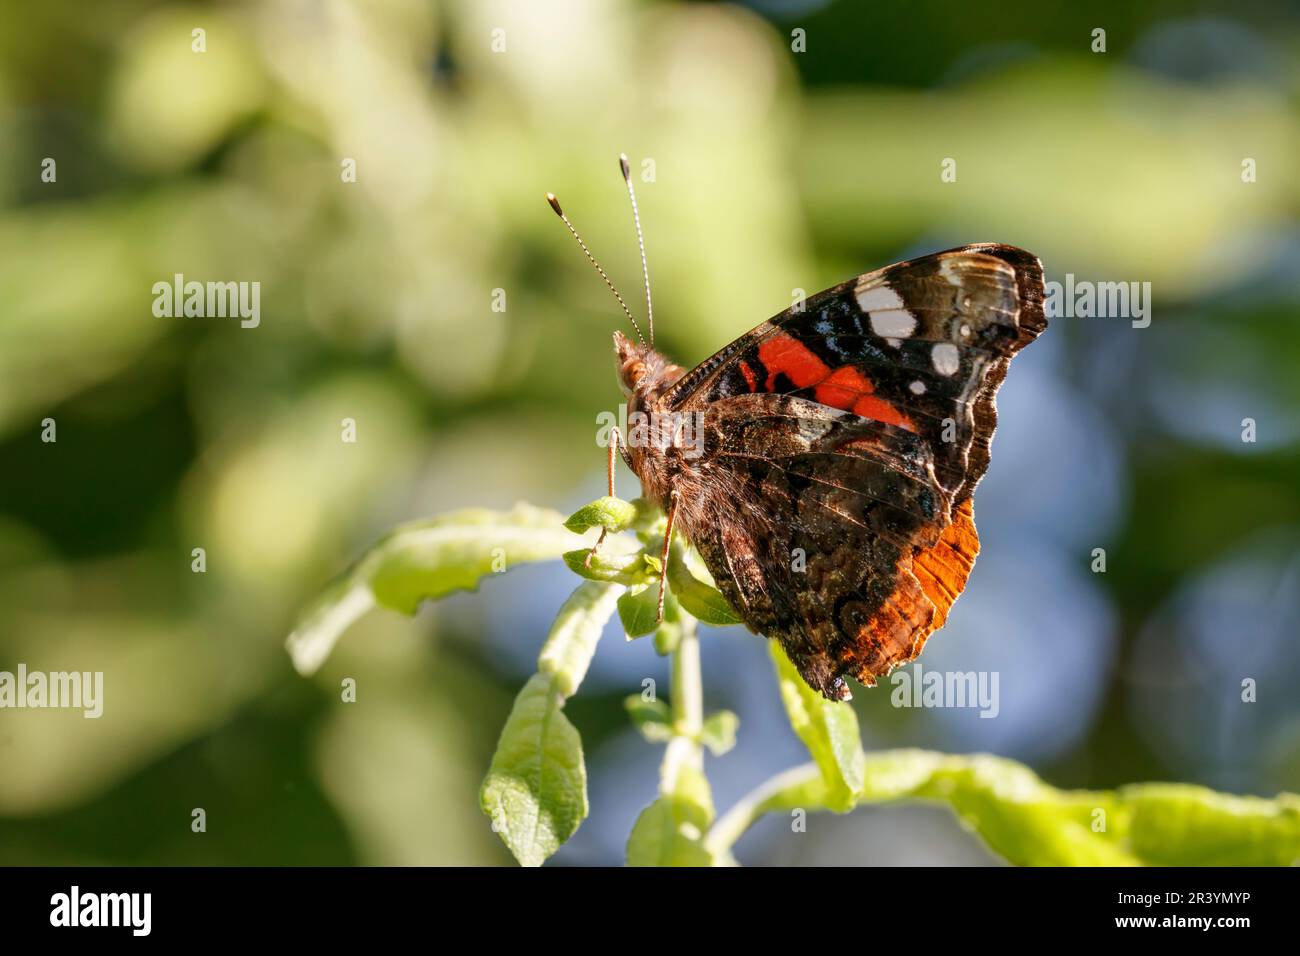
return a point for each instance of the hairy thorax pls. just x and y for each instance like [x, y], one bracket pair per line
[666, 448]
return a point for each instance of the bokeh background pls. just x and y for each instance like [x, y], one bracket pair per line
[773, 170]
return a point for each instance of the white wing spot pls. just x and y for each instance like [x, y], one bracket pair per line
[946, 358]
[893, 323]
[878, 298]
[917, 388]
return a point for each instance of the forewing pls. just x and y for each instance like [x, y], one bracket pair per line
[921, 345]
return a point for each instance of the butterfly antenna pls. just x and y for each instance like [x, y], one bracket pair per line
[640, 241]
[555, 204]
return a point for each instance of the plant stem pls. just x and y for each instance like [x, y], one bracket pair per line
[687, 701]
[732, 825]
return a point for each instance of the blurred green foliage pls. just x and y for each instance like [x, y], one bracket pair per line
[771, 170]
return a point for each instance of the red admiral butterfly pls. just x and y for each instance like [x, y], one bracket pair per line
[842, 440]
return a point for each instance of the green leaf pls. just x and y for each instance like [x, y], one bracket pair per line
[536, 788]
[1018, 816]
[829, 729]
[719, 732]
[670, 832]
[569, 647]
[639, 611]
[664, 835]
[426, 560]
[650, 520]
[626, 569]
[1183, 825]
[700, 599]
[612, 514]
[651, 717]
[431, 559]
[336, 609]
[1031, 823]
[667, 637]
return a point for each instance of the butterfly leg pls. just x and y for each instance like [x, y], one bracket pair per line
[613, 447]
[663, 556]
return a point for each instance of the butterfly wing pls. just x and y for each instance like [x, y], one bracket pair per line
[844, 439]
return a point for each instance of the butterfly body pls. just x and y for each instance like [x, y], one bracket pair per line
[833, 452]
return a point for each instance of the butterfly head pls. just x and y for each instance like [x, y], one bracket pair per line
[643, 373]
[632, 362]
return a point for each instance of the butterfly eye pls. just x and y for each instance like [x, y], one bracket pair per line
[633, 374]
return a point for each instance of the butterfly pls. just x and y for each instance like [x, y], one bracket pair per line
[836, 449]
